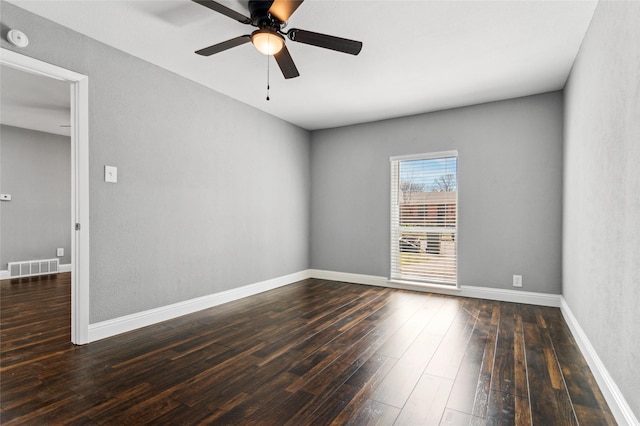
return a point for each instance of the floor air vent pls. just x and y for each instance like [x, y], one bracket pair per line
[29, 268]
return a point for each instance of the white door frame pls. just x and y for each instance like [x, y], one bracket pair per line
[79, 88]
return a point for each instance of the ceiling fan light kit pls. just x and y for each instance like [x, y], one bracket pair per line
[270, 17]
[267, 41]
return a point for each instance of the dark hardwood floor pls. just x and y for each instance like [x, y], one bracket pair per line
[312, 353]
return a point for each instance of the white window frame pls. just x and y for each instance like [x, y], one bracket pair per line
[394, 274]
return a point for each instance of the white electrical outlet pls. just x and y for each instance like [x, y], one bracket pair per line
[517, 280]
[60, 252]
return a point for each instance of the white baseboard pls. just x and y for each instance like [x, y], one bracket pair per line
[503, 295]
[4, 275]
[515, 296]
[617, 402]
[131, 322]
[112, 327]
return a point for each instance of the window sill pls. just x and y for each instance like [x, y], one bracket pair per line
[425, 286]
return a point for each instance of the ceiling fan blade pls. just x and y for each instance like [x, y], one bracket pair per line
[224, 10]
[285, 62]
[217, 48]
[283, 9]
[326, 41]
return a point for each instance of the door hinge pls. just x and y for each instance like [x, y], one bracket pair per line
[77, 226]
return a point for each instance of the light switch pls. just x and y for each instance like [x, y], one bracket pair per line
[111, 174]
[5, 197]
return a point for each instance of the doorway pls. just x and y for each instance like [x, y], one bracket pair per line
[79, 135]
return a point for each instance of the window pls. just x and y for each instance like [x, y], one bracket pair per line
[424, 210]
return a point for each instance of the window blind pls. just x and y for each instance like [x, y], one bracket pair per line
[424, 211]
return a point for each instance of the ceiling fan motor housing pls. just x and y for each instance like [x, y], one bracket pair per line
[260, 14]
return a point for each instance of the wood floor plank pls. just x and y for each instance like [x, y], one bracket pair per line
[547, 401]
[507, 409]
[342, 404]
[446, 361]
[399, 383]
[456, 418]
[489, 320]
[520, 368]
[344, 365]
[504, 367]
[313, 352]
[464, 394]
[318, 360]
[362, 385]
[374, 413]
[427, 402]
[581, 385]
[397, 344]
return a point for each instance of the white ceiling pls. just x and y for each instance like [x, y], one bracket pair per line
[34, 102]
[418, 56]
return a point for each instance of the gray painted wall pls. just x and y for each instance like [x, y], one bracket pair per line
[35, 168]
[510, 190]
[204, 203]
[601, 243]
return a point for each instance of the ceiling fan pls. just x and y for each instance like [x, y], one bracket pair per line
[270, 17]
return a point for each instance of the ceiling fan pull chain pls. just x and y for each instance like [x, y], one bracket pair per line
[268, 56]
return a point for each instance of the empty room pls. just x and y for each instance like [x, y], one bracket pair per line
[390, 212]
